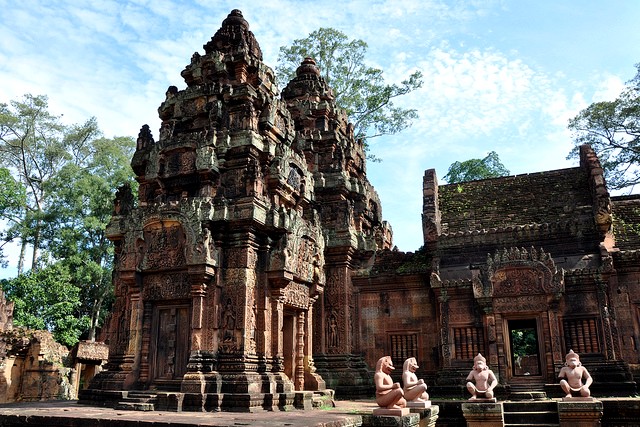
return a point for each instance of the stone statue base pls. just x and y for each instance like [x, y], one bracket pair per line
[398, 412]
[578, 399]
[421, 405]
[482, 400]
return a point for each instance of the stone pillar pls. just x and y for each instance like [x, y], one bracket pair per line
[580, 413]
[605, 316]
[312, 381]
[277, 319]
[444, 328]
[556, 345]
[145, 338]
[299, 373]
[198, 293]
[483, 414]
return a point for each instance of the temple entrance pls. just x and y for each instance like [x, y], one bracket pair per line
[170, 344]
[289, 341]
[525, 348]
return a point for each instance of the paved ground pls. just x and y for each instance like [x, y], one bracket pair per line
[71, 414]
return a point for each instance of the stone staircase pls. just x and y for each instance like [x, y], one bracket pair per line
[531, 413]
[533, 391]
[138, 401]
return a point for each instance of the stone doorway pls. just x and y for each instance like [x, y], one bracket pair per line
[170, 335]
[289, 343]
[524, 346]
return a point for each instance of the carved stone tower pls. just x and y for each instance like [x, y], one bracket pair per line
[351, 217]
[218, 266]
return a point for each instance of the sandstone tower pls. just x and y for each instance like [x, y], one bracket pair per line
[233, 269]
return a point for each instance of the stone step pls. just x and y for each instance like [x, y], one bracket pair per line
[137, 401]
[135, 406]
[531, 413]
[527, 406]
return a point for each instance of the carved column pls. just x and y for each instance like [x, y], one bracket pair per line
[277, 320]
[312, 381]
[299, 374]
[556, 344]
[145, 339]
[444, 328]
[198, 294]
[605, 315]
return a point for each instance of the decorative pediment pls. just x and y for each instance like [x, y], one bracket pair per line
[518, 272]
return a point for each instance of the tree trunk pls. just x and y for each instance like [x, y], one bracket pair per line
[23, 249]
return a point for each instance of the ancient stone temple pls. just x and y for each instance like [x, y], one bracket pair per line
[522, 269]
[232, 269]
[254, 268]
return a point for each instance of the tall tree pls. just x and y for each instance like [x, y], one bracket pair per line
[359, 89]
[474, 169]
[612, 128]
[69, 176]
[75, 232]
[35, 145]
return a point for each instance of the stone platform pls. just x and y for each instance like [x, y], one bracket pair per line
[71, 414]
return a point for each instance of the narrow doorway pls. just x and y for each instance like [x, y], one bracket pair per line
[170, 342]
[288, 344]
[525, 354]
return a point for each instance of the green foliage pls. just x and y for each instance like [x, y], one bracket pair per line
[475, 169]
[75, 231]
[612, 128]
[524, 342]
[359, 89]
[69, 175]
[34, 146]
[46, 299]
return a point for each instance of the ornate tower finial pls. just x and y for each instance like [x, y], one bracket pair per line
[308, 66]
[234, 37]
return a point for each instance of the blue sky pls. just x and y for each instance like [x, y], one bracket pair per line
[500, 75]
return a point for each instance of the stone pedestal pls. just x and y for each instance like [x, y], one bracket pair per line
[428, 415]
[399, 412]
[419, 405]
[580, 412]
[408, 420]
[481, 414]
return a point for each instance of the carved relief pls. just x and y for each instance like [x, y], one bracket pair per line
[164, 246]
[518, 272]
[520, 303]
[517, 281]
[296, 295]
[166, 286]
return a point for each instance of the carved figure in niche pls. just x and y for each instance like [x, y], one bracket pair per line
[572, 374]
[228, 321]
[484, 378]
[388, 394]
[333, 331]
[415, 390]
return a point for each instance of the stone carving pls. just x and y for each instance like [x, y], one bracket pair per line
[571, 376]
[415, 390]
[166, 287]
[518, 271]
[296, 295]
[481, 380]
[389, 394]
[228, 322]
